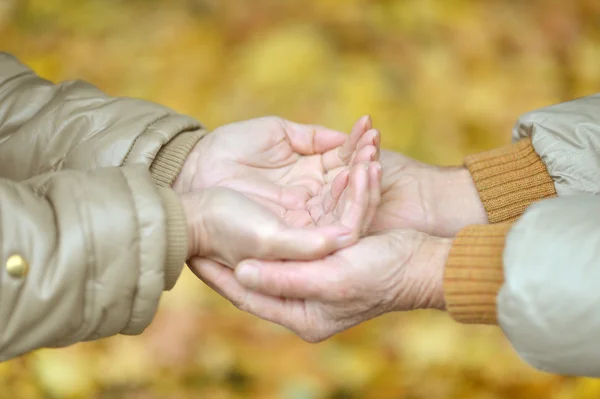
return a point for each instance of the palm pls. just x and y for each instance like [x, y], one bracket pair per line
[404, 188]
[285, 166]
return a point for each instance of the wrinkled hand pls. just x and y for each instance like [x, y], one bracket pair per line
[397, 270]
[283, 165]
[228, 227]
[436, 200]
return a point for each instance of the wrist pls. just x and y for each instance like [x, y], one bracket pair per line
[456, 201]
[431, 258]
[200, 208]
[420, 260]
[185, 179]
[170, 159]
[190, 204]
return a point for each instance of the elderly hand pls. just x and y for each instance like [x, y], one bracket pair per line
[436, 200]
[227, 226]
[393, 271]
[289, 165]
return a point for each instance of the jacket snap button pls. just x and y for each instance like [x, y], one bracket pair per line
[16, 266]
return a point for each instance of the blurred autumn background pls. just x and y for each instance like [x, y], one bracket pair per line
[440, 78]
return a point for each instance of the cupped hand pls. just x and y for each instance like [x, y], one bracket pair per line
[271, 159]
[435, 200]
[228, 227]
[393, 271]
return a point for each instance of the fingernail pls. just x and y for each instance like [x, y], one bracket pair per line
[247, 274]
[376, 136]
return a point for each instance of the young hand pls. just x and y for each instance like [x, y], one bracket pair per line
[228, 227]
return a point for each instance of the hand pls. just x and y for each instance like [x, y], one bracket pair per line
[226, 226]
[394, 271]
[270, 159]
[439, 201]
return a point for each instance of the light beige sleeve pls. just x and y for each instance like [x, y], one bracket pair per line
[509, 179]
[46, 127]
[566, 137]
[83, 256]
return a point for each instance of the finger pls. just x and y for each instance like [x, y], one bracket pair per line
[366, 154]
[320, 207]
[316, 206]
[341, 155]
[375, 173]
[222, 279]
[372, 138]
[312, 139]
[289, 197]
[354, 201]
[301, 280]
[336, 188]
[306, 243]
[332, 173]
[327, 201]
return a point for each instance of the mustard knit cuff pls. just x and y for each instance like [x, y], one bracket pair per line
[170, 159]
[474, 273]
[509, 179]
[177, 239]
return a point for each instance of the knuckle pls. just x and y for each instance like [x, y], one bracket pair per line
[236, 302]
[309, 336]
[275, 121]
[240, 303]
[278, 284]
[265, 239]
[312, 337]
[319, 243]
[312, 332]
[342, 289]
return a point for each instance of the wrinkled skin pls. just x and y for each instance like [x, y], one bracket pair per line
[439, 201]
[393, 271]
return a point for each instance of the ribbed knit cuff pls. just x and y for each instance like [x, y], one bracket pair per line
[509, 179]
[177, 239]
[170, 159]
[474, 273]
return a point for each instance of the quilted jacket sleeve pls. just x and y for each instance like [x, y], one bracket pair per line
[83, 255]
[45, 127]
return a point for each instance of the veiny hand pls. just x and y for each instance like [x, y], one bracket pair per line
[228, 227]
[281, 164]
[393, 271]
[436, 200]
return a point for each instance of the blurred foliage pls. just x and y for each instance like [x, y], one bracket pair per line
[440, 78]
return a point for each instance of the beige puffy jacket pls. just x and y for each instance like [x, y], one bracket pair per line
[85, 210]
[535, 270]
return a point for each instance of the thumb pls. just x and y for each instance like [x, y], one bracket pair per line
[308, 243]
[287, 279]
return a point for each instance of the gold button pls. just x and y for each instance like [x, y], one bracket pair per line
[16, 266]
